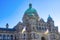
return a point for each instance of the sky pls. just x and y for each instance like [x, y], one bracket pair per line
[12, 11]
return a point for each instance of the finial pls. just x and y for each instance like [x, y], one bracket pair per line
[30, 5]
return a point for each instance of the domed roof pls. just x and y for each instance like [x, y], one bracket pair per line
[31, 11]
[49, 18]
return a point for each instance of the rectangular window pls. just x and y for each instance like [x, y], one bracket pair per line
[0, 37]
[38, 28]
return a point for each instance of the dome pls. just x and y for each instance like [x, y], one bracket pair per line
[30, 11]
[49, 18]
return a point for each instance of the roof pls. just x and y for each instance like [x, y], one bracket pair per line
[30, 11]
[5, 29]
[49, 18]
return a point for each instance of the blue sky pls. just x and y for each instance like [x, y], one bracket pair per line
[12, 11]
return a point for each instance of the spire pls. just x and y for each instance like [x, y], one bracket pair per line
[30, 5]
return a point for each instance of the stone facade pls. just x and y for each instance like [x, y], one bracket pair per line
[35, 28]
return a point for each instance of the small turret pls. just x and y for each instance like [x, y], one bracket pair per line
[7, 25]
[49, 18]
[50, 21]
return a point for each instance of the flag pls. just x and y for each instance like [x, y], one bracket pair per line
[24, 29]
[46, 32]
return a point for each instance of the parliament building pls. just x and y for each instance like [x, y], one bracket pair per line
[32, 27]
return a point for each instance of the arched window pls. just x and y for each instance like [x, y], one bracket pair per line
[0, 36]
[11, 37]
[4, 37]
[8, 38]
[42, 38]
[24, 36]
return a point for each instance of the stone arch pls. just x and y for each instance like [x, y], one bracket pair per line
[43, 38]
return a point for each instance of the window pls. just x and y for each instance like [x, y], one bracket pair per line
[8, 38]
[11, 37]
[15, 38]
[42, 28]
[33, 35]
[45, 28]
[0, 37]
[42, 38]
[33, 27]
[24, 35]
[52, 36]
[38, 28]
[36, 36]
[4, 37]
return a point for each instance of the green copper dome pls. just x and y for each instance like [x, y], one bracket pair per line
[30, 11]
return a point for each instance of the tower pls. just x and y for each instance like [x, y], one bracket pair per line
[50, 24]
[30, 19]
[50, 21]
